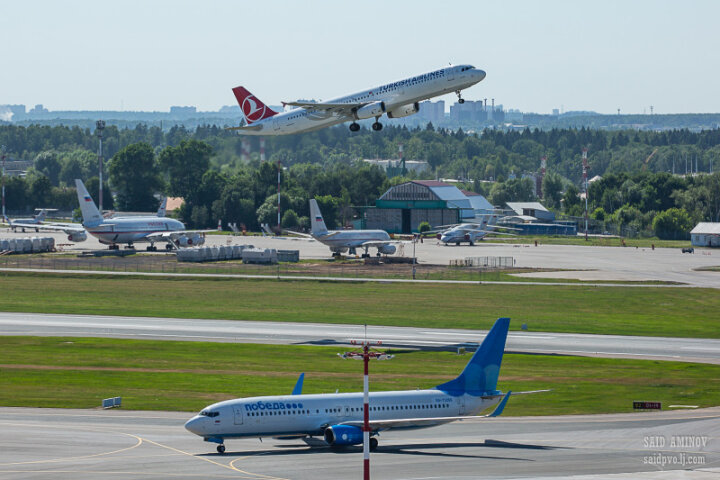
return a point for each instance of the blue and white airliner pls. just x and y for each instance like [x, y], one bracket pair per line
[338, 418]
[395, 99]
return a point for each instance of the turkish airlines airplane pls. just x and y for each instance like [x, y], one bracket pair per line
[396, 99]
[338, 418]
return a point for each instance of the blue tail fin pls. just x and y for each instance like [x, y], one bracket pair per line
[480, 375]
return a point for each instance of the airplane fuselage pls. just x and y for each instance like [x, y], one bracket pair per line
[132, 229]
[395, 96]
[311, 414]
[341, 240]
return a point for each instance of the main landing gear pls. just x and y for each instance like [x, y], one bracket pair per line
[373, 444]
[377, 126]
[221, 449]
[354, 127]
[460, 99]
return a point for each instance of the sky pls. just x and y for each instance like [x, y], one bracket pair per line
[538, 55]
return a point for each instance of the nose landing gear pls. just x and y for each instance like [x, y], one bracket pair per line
[221, 449]
[460, 99]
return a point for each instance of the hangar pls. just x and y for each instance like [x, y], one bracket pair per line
[403, 207]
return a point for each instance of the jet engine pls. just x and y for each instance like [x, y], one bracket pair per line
[77, 236]
[190, 240]
[387, 249]
[404, 110]
[343, 435]
[370, 110]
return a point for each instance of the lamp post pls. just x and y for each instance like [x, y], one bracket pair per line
[2, 151]
[365, 353]
[99, 127]
[585, 180]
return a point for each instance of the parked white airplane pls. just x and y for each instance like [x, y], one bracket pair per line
[338, 418]
[116, 230]
[396, 99]
[24, 223]
[470, 232]
[341, 241]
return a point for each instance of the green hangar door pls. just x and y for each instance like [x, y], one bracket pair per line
[406, 220]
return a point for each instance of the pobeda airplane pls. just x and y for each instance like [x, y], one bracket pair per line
[396, 99]
[338, 418]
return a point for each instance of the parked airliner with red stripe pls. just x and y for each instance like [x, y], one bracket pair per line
[396, 99]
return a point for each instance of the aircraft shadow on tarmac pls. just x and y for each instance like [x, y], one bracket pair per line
[421, 449]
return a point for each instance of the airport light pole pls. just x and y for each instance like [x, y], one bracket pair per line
[585, 180]
[365, 353]
[2, 151]
[99, 127]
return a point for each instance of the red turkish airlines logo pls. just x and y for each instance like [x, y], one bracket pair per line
[253, 109]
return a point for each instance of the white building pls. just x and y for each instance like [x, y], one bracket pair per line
[705, 234]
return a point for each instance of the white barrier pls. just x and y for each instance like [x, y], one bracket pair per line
[27, 245]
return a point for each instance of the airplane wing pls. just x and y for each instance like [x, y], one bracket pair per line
[174, 235]
[246, 127]
[346, 109]
[427, 422]
[53, 227]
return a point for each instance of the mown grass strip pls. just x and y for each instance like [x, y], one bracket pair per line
[155, 375]
[673, 312]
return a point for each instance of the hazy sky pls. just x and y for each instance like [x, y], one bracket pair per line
[538, 55]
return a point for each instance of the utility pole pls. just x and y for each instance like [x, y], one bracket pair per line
[365, 353]
[99, 127]
[279, 167]
[585, 180]
[2, 151]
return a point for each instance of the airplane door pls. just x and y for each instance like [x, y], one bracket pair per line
[451, 74]
[461, 405]
[238, 415]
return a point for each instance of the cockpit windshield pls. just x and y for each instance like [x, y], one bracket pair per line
[466, 68]
[208, 413]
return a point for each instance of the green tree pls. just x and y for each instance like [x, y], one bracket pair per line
[47, 163]
[290, 219]
[673, 223]
[184, 167]
[133, 174]
[552, 190]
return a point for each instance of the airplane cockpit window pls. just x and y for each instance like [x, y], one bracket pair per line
[208, 413]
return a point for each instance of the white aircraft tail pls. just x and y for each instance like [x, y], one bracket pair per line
[163, 208]
[90, 213]
[40, 217]
[316, 219]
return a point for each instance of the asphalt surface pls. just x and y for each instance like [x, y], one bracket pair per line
[617, 346]
[89, 444]
[578, 262]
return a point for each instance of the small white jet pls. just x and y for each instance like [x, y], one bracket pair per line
[470, 232]
[131, 229]
[341, 241]
[23, 223]
[396, 99]
[338, 418]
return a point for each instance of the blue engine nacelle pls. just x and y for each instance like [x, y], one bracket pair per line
[343, 435]
[387, 249]
[77, 237]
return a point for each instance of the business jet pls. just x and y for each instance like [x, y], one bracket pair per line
[341, 241]
[23, 223]
[470, 232]
[114, 231]
[338, 418]
[396, 99]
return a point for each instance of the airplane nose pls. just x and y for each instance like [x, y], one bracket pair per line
[481, 75]
[194, 425]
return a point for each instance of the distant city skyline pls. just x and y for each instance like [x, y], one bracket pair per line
[539, 56]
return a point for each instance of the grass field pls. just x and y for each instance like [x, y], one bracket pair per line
[159, 375]
[675, 312]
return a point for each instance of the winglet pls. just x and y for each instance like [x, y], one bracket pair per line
[501, 406]
[298, 386]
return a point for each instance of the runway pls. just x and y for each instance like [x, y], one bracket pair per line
[88, 444]
[616, 346]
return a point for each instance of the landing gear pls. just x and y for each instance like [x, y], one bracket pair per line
[373, 444]
[114, 246]
[130, 246]
[221, 449]
[377, 126]
[168, 247]
[460, 99]
[354, 127]
[151, 248]
[472, 244]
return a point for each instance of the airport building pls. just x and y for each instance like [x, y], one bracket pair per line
[403, 207]
[705, 234]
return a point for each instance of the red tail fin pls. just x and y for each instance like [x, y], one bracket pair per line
[251, 106]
